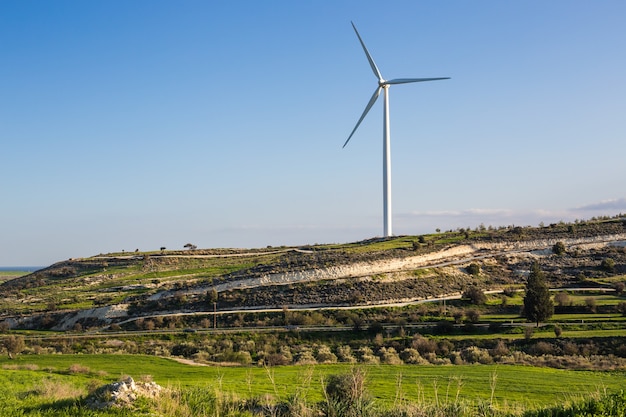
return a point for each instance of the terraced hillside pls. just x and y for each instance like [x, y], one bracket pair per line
[115, 288]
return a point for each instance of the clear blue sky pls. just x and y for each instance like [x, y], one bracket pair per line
[138, 124]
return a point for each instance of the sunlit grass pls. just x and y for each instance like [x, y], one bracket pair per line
[524, 385]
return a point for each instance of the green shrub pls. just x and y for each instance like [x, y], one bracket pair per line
[475, 295]
[558, 248]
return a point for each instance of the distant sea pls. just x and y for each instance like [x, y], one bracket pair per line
[21, 268]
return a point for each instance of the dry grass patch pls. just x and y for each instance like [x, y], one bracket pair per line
[57, 390]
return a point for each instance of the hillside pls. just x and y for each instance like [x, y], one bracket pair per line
[95, 292]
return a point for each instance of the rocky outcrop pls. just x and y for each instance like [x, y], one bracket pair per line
[121, 394]
[448, 256]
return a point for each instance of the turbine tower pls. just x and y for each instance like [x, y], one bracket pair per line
[384, 86]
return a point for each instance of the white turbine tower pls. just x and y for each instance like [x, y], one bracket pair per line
[384, 85]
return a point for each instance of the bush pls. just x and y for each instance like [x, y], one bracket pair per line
[324, 355]
[608, 265]
[423, 345]
[473, 269]
[472, 315]
[542, 348]
[562, 299]
[444, 327]
[509, 292]
[389, 356]
[475, 295]
[346, 394]
[475, 354]
[591, 304]
[344, 354]
[411, 356]
[558, 248]
[366, 355]
[499, 350]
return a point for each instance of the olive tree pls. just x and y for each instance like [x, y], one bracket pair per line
[13, 345]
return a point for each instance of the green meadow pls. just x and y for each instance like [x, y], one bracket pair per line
[513, 386]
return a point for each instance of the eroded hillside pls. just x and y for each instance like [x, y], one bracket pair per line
[113, 288]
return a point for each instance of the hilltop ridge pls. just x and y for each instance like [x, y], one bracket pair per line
[112, 288]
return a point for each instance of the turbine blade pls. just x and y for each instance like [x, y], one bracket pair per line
[367, 109]
[413, 80]
[369, 57]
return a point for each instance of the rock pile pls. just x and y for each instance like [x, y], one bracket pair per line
[121, 394]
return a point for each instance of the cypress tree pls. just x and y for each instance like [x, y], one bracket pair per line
[537, 303]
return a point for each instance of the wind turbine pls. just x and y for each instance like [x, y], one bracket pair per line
[384, 86]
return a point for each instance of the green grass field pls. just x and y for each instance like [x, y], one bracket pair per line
[515, 386]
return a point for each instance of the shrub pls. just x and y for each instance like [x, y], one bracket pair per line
[411, 356]
[475, 295]
[570, 348]
[562, 299]
[324, 355]
[423, 345]
[389, 356]
[509, 292]
[591, 304]
[366, 355]
[78, 369]
[473, 269]
[346, 394]
[457, 314]
[528, 332]
[542, 348]
[558, 248]
[13, 345]
[621, 308]
[474, 354]
[444, 327]
[472, 315]
[305, 357]
[344, 354]
[375, 328]
[499, 350]
[607, 265]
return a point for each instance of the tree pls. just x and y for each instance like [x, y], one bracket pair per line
[190, 246]
[473, 269]
[13, 345]
[475, 295]
[608, 265]
[558, 248]
[537, 303]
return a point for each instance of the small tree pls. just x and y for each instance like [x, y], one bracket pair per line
[562, 299]
[558, 248]
[473, 269]
[13, 345]
[608, 265]
[475, 295]
[472, 315]
[537, 303]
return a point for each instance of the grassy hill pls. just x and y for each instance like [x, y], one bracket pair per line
[111, 288]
